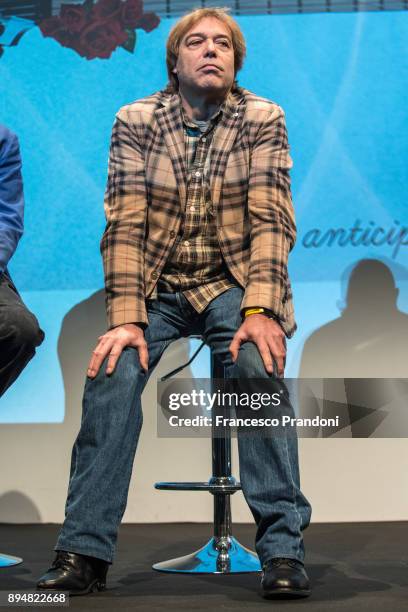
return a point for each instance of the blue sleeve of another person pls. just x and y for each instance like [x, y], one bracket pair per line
[11, 196]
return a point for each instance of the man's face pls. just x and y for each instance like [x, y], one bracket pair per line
[206, 57]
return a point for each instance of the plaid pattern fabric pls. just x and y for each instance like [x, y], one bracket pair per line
[195, 265]
[250, 193]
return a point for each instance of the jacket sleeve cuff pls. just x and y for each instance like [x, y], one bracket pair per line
[258, 300]
[130, 315]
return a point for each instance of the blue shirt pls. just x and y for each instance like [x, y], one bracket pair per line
[11, 196]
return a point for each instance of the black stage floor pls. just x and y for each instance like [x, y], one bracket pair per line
[355, 567]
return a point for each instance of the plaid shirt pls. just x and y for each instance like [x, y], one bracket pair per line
[195, 265]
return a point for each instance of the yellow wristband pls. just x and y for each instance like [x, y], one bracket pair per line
[250, 311]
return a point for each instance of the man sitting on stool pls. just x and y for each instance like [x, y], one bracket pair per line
[19, 330]
[199, 226]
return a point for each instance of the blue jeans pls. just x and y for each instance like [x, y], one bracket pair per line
[103, 453]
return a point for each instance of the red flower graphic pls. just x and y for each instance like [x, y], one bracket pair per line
[148, 22]
[65, 38]
[132, 11]
[73, 17]
[54, 28]
[105, 10]
[49, 26]
[100, 39]
[96, 30]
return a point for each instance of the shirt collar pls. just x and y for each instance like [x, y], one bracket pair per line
[213, 119]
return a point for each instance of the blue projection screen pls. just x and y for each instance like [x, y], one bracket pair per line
[340, 79]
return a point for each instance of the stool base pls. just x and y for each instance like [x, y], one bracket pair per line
[7, 560]
[219, 556]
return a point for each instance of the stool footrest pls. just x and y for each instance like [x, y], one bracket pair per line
[227, 488]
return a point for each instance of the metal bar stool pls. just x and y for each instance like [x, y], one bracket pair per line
[222, 554]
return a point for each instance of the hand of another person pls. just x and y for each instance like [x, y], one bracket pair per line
[268, 336]
[113, 342]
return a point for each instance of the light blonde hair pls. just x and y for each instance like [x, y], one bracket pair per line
[188, 21]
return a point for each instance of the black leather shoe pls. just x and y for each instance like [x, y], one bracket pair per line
[284, 578]
[77, 574]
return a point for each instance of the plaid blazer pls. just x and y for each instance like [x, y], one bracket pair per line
[250, 189]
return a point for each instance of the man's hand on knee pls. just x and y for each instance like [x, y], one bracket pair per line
[269, 338]
[112, 344]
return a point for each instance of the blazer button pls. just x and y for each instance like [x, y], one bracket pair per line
[154, 274]
[172, 234]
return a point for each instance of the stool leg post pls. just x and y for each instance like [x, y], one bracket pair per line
[221, 473]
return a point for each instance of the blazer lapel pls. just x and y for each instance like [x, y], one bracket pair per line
[171, 124]
[223, 141]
